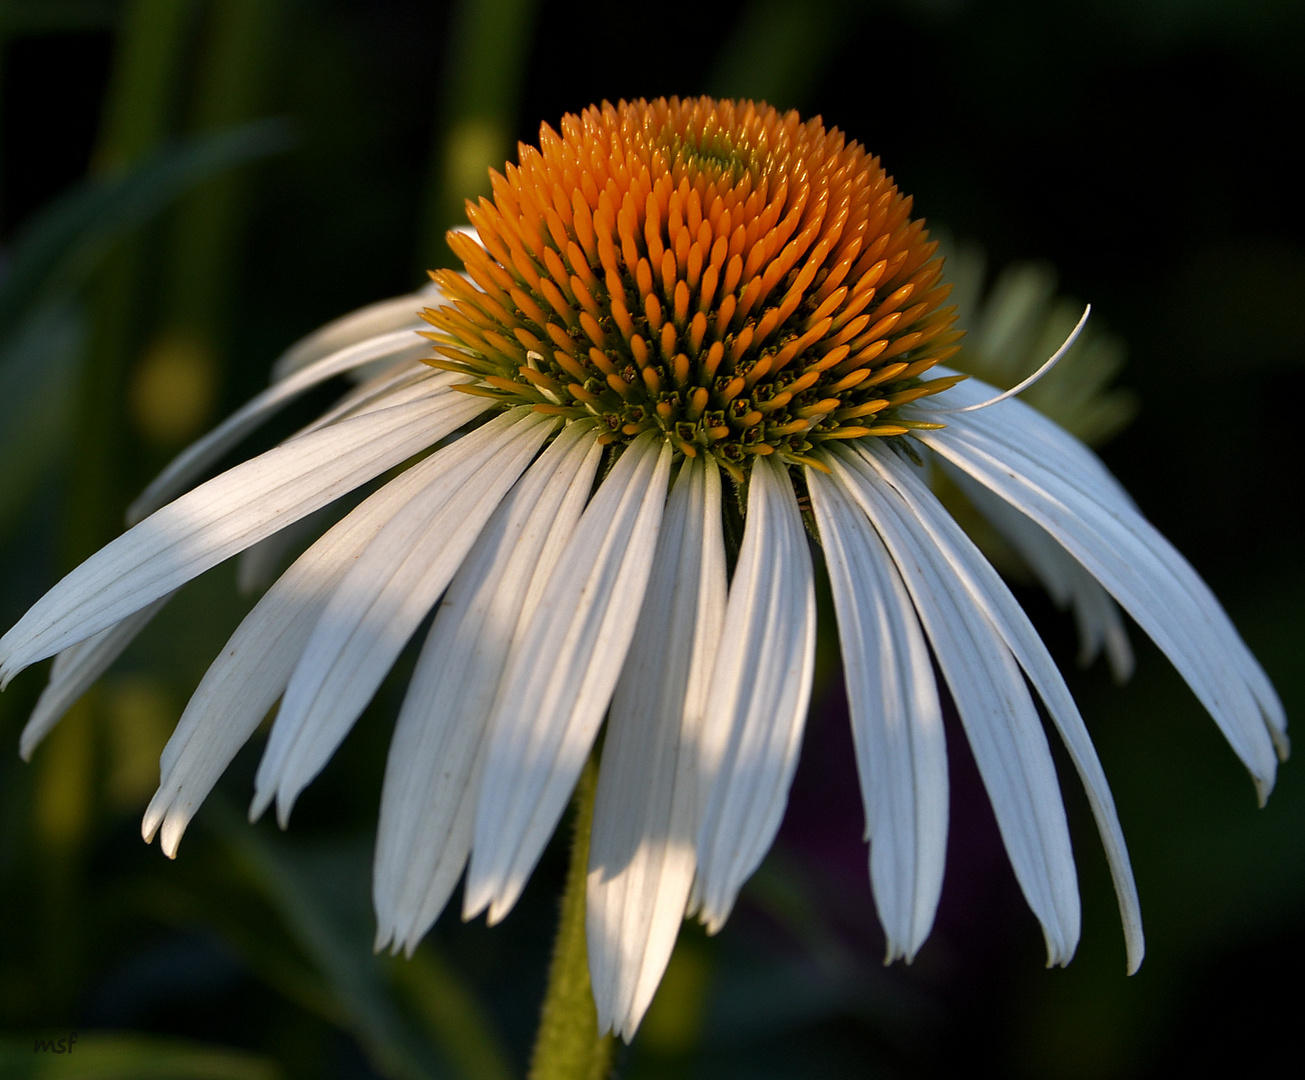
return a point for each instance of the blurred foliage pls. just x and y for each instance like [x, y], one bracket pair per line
[189, 185]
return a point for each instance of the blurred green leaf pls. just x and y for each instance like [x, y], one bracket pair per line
[37, 366]
[64, 242]
[115, 1056]
[41, 324]
[321, 895]
[451, 1014]
[300, 888]
[241, 53]
[298, 916]
[146, 82]
[487, 61]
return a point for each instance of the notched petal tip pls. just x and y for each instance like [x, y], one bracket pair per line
[1059, 955]
[153, 818]
[384, 939]
[169, 847]
[714, 921]
[258, 804]
[285, 804]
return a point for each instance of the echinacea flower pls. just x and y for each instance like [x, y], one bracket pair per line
[690, 334]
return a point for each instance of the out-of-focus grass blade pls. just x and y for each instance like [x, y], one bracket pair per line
[64, 242]
[322, 898]
[487, 60]
[37, 367]
[451, 1014]
[120, 1056]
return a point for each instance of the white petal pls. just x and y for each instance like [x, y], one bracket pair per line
[560, 674]
[257, 566]
[1099, 620]
[1034, 426]
[399, 383]
[251, 672]
[760, 688]
[432, 776]
[990, 594]
[385, 595]
[383, 317]
[901, 751]
[182, 471]
[996, 710]
[76, 668]
[641, 854]
[222, 517]
[1036, 467]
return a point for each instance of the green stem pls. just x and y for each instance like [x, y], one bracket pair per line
[568, 1046]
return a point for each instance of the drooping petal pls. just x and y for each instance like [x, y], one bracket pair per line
[399, 383]
[990, 594]
[901, 751]
[1036, 467]
[560, 675]
[642, 850]
[256, 566]
[252, 671]
[385, 595]
[222, 517]
[760, 687]
[383, 317]
[432, 776]
[996, 710]
[187, 466]
[1100, 622]
[76, 668]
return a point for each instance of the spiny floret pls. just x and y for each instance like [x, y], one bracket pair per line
[741, 280]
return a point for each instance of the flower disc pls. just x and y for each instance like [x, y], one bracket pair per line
[745, 282]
